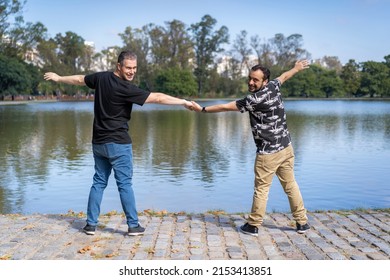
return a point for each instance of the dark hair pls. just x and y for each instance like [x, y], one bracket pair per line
[263, 69]
[126, 55]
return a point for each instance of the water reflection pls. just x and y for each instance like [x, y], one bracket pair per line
[194, 162]
[34, 140]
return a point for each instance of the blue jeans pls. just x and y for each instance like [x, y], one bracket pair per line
[117, 157]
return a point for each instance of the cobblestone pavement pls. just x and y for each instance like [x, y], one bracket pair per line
[335, 235]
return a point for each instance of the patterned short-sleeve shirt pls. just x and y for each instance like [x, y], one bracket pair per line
[267, 118]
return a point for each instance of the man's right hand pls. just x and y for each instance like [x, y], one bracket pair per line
[188, 105]
[51, 76]
[196, 107]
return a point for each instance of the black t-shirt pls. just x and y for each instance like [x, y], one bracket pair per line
[114, 98]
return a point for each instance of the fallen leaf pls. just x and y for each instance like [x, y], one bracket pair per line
[84, 249]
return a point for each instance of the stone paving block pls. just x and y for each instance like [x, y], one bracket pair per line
[359, 257]
[294, 256]
[179, 256]
[198, 257]
[271, 251]
[329, 249]
[160, 253]
[255, 255]
[384, 247]
[376, 256]
[179, 239]
[196, 251]
[161, 245]
[164, 235]
[359, 244]
[217, 255]
[198, 236]
[141, 256]
[196, 230]
[336, 256]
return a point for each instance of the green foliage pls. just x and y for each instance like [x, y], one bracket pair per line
[17, 38]
[71, 49]
[316, 82]
[176, 82]
[288, 49]
[17, 77]
[375, 79]
[207, 43]
[8, 9]
[221, 86]
[351, 78]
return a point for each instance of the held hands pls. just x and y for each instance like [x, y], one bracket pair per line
[196, 107]
[188, 105]
[192, 106]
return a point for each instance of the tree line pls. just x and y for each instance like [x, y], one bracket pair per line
[197, 60]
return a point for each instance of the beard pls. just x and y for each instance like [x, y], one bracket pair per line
[252, 89]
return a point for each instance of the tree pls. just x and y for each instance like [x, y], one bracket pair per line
[330, 83]
[171, 46]
[375, 79]
[207, 43]
[19, 38]
[351, 77]
[241, 48]
[86, 59]
[303, 85]
[48, 55]
[287, 50]
[17, 77]
[332, 63]
[68, 55]
[232, 67]
[176, 81]
[107, 59]
[71, 48]
[7, 9]
[316, 81]
[181, 49]
[263, 51]
[387, 60]
[159, 42]
[24, 38]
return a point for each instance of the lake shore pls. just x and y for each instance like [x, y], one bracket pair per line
[334, 235]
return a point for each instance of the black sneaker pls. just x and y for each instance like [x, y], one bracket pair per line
[90, 230]
[134, 231]
[248, 229]
[302, 228]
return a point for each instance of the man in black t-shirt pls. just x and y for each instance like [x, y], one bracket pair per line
[111, 143]
[274, 154]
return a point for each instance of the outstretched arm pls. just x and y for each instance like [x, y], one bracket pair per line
[299, 66]
[77, 80]
[162, 98]
[231, 106]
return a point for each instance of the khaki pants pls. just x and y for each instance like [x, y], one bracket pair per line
[281, 164]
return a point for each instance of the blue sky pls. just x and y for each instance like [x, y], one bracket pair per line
[348, 29]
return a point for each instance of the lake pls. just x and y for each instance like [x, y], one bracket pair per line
[184, 161]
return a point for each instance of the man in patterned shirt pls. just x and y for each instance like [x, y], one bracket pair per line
[275, 154]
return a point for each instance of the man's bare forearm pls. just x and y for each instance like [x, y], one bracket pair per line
[299, 66]
[77, 80]
[165, 99]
